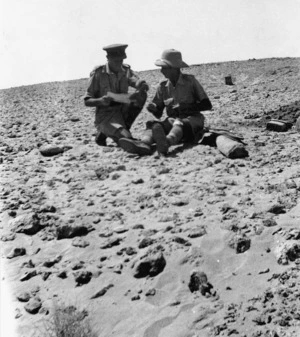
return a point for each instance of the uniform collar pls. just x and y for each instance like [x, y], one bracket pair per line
[180, 81]
[108, 71]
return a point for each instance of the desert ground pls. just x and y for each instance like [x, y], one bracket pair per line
[193, 244]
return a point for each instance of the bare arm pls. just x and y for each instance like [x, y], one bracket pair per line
[94, 102]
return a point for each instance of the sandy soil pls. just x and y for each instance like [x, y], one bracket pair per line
[193, 244]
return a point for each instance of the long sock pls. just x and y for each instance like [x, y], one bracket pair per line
[147, 137]
[175, 135]
[121, 133]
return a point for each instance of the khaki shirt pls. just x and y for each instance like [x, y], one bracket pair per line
[102, 80]
[187, 90]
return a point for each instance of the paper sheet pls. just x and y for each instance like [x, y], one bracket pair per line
[121, 98]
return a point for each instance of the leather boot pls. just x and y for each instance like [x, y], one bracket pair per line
[160, 139]
[100, 139]
[134, 146]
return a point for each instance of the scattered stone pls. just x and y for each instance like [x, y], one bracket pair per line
[51, 262]
[150, 232]
[146, 242]
[8, 237]
[28, 275]
[135, 298]
[115, 176]
[77, 265]
[181, 241]
[239, 242]
[74, 119]
[138, 181]
[292, 234]
[24, 297]
[198, 281]
[50, 150]
[197, 232]
[265, 271]
[150, 266]
[70, 231]
[106, 234]
[28, 264]
[18, 313]
[150, 292]
[118, 268]
[12, 213]
[16, 252]
[290, 251]
[47, 209]
[130, 251]
[79, 242]
[102, 173]
[45, 275]
[269, 222]
[111, 243]
[120, 230]
[33, 306]
[277, 209]
[82, 277]
[28, 224]
[138, 226]
[163, 170]
[62, 274]
[102, 291]
[179, 202]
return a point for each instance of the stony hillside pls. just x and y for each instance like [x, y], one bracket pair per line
[124, 239]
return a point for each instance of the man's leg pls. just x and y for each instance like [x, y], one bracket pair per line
[130, 114]
[100, 139]
[115, 128]
[168, 133]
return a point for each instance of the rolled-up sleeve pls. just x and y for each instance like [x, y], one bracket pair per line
[93, 90]
[132, 78]
[158, 99]
[199, 92]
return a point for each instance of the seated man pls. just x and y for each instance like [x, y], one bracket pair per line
[184, 98]
[113, 119]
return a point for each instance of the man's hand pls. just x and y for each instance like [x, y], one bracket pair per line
[151, 107]
[142, 85]
[104, 101]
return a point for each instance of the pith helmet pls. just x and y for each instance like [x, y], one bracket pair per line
[171, 58]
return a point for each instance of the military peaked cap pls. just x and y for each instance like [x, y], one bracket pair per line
[116, 50]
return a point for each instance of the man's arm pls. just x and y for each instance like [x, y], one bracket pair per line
[156, 107]
[202, 102]
[91, 98]
[204, 105]
[94, 102]
[135, 82]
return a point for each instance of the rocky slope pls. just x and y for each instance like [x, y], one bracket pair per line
[193, 244]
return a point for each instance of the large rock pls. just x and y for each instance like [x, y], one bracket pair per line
[240, 243]
[70, 231]
[33, 306]
[28, 224]
[199, 282]
[150, 266]
[288, 251]
[16, 252]
[82, 277]
[50, 150]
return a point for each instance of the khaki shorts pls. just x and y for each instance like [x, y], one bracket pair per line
[121, 117]
[192, 126]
